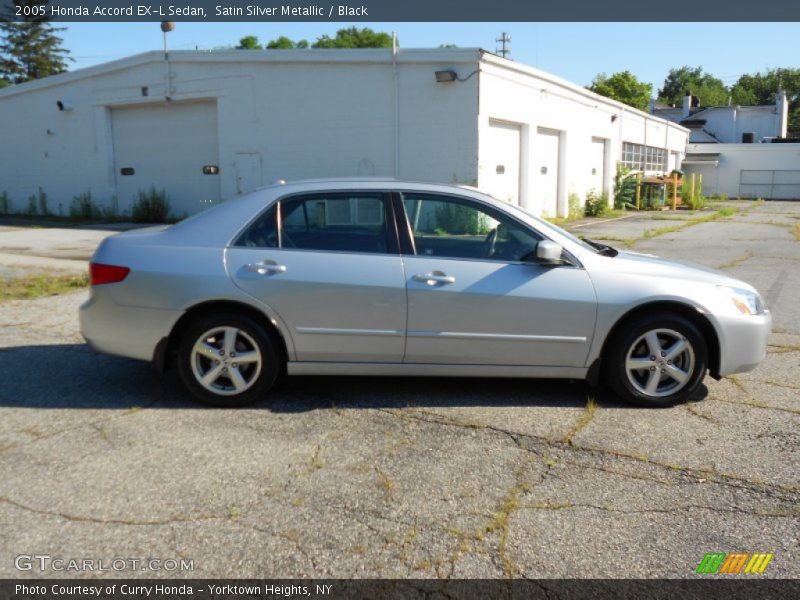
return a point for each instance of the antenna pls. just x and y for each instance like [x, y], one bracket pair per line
[503, 40]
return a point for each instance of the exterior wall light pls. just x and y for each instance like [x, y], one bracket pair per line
[446, 76]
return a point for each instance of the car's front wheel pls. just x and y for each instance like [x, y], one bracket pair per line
[657, 360]
[227, 360]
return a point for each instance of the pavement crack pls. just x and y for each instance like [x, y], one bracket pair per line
[101, 521]
[538, 445]
[586, 418]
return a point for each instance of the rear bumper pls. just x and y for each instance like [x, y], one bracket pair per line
[129, 331]
[743, 343]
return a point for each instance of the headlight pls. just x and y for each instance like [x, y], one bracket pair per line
[746, 302]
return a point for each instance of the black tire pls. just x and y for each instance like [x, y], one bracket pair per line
[249, 333]
[630, 333]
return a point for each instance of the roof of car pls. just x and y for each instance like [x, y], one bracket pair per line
[374, 181]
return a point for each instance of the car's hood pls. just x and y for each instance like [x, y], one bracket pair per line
[654, 266]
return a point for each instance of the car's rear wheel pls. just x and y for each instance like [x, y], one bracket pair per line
[657, 360]
[228, 360]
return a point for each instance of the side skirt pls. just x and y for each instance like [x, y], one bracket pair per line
[433, 370]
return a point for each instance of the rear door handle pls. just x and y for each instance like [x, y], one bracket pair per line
[434, 277]
[265, 267]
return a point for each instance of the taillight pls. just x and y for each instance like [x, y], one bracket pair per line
[101, 274]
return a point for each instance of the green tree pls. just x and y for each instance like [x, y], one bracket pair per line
[4, 83]
[710, 90]
[762, 88]
[284, 43]
[353, 37]
[249, 42]
[30, 49]
[624, 87]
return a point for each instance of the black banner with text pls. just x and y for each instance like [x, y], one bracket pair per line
[395, 10]
[745, 588]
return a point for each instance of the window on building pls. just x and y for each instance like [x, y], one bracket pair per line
[643, 158]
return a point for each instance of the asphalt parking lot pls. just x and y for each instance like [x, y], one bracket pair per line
[344, 477]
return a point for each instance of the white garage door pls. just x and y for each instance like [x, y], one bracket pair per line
[546, 171]
[501, 175]
[167, 146]
[597, 159]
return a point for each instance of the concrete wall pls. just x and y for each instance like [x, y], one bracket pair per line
[770, 171]
[316, 114]
[535, 99]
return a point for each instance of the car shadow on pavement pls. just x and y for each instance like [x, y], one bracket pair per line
[73, 376]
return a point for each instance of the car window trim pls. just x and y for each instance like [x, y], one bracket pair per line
[390, 219]
[572, 260]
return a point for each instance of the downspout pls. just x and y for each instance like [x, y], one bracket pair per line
[396, 108]
[166, 27]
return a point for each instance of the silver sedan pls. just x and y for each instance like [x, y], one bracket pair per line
[382, 277]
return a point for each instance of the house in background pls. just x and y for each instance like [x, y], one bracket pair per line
[728, 124]
[724, 151]
[208, 126]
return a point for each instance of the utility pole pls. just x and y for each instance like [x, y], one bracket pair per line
[503, 40]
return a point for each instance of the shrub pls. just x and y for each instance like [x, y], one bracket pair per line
[42, 198]
[5, 204]
[574, 205]
[596, 205]
[624, 188]
[459, 219]
[82, 207]
[694, 201]
[151, 206]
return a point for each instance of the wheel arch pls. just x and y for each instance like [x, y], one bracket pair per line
[691, 313]
[167, 347]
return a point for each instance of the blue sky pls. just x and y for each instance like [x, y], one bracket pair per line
[575, 51]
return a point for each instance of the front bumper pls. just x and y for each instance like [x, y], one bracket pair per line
[129, 331]
[743, 342]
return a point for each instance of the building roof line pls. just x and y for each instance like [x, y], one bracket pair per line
[315, 55]
[573, 87]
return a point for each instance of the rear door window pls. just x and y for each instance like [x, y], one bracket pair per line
[325, 222]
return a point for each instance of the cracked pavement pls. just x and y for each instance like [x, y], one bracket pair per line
[100, 457]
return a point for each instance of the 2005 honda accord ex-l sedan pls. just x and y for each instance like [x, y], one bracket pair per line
[383, 277]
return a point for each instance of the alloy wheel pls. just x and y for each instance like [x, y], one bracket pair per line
[660, 363]
[226, 361]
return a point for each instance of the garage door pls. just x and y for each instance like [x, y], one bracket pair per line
[546, 171]
[501, 175]
[168, 146]
[597, 159]
[770, 184]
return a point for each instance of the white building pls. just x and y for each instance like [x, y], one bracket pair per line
[206, 126]
[729, 124]
[769, 171]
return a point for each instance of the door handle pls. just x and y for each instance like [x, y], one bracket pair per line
[265, 268]
[434, 277]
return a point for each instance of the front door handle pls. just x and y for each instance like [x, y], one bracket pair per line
[434, 277]
[265, 267]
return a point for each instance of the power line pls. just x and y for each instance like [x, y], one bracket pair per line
[503, 40]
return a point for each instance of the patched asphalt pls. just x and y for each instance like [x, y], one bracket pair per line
[100, 457]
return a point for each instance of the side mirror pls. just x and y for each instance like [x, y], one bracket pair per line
[549, 253]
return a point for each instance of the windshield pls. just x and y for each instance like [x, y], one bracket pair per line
[545, 225]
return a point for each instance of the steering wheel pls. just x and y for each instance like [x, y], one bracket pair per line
[489, 243]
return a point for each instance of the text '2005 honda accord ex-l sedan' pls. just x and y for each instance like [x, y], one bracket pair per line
[383, 277]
